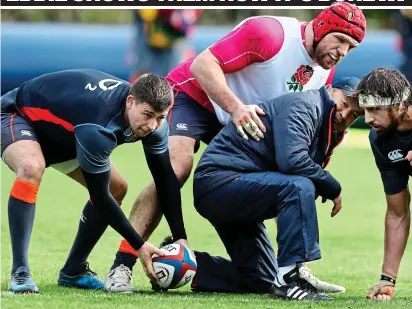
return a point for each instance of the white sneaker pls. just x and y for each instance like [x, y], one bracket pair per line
[118, 280]
[324, 287]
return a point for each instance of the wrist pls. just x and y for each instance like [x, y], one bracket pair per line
[234, 106]
[388, 278]
[140, 246]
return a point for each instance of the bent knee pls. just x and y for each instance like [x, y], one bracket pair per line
[119, 191]
[181, 156]
[305, 185]
[182, 170]
[31, 171]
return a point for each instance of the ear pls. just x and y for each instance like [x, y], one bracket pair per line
[328, 88]
[129, 101]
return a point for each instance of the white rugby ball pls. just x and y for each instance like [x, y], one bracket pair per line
[176, 269]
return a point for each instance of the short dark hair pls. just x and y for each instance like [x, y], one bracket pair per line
[386, 83]
[154, 90]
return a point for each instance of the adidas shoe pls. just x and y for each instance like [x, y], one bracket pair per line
[313, 282]
[295, 289]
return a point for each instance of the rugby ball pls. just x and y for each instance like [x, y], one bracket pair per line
[176, 268]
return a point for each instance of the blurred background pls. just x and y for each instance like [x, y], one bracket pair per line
[127, 43]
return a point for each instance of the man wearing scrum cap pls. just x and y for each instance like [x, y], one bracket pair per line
[261, 58]
[385, 95]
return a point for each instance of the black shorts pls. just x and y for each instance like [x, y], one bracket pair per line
[189, 118]
[15, 128]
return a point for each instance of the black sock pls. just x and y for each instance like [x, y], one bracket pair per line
[92, 225]
[21, 218]
[127, 259]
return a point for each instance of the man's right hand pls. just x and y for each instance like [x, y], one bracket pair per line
[145, 254]
[245, 117]
[383, 290]
[337, 205]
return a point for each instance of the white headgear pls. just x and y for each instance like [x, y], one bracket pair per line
[366, 100]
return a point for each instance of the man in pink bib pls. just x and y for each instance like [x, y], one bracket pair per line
[261, 58]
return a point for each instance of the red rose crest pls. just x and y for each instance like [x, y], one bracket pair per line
[300, 78]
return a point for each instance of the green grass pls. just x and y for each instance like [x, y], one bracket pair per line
[352, 242]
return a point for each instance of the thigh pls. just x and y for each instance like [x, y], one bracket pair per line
[250, 197]
[19, 142]
[188, 118]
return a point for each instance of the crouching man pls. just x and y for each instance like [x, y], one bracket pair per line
[240, 183]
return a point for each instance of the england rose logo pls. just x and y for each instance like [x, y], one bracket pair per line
[300, 78]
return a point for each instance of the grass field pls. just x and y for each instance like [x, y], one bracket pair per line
[352, 242]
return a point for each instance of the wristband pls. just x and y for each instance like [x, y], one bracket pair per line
[387, 278]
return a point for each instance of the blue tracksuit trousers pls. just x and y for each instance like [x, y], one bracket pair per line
[237, 210]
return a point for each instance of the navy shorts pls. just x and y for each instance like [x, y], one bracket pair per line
[189, 118]
[15, 128]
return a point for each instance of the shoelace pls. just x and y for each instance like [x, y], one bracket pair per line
[21, 277]
[122, 273]
[89, 271]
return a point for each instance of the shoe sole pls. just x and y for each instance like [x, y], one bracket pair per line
[25, 292]
[300, 300]
[275, 296]
[121, 292]
[66, 285]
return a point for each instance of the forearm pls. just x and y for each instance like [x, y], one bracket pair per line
[101, 198]
[396, 236]
[168, 192]
[326, 185]
[118, 221]
[208, 73]
[170, 204]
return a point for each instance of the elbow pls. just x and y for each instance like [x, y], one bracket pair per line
[291, 160]
[196, 64]
[205, 60]
[287, 163]
[286, 167]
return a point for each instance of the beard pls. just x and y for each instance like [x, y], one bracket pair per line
[391, 129]
[323, 59]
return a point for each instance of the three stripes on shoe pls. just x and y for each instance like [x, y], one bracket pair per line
[297, 293]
